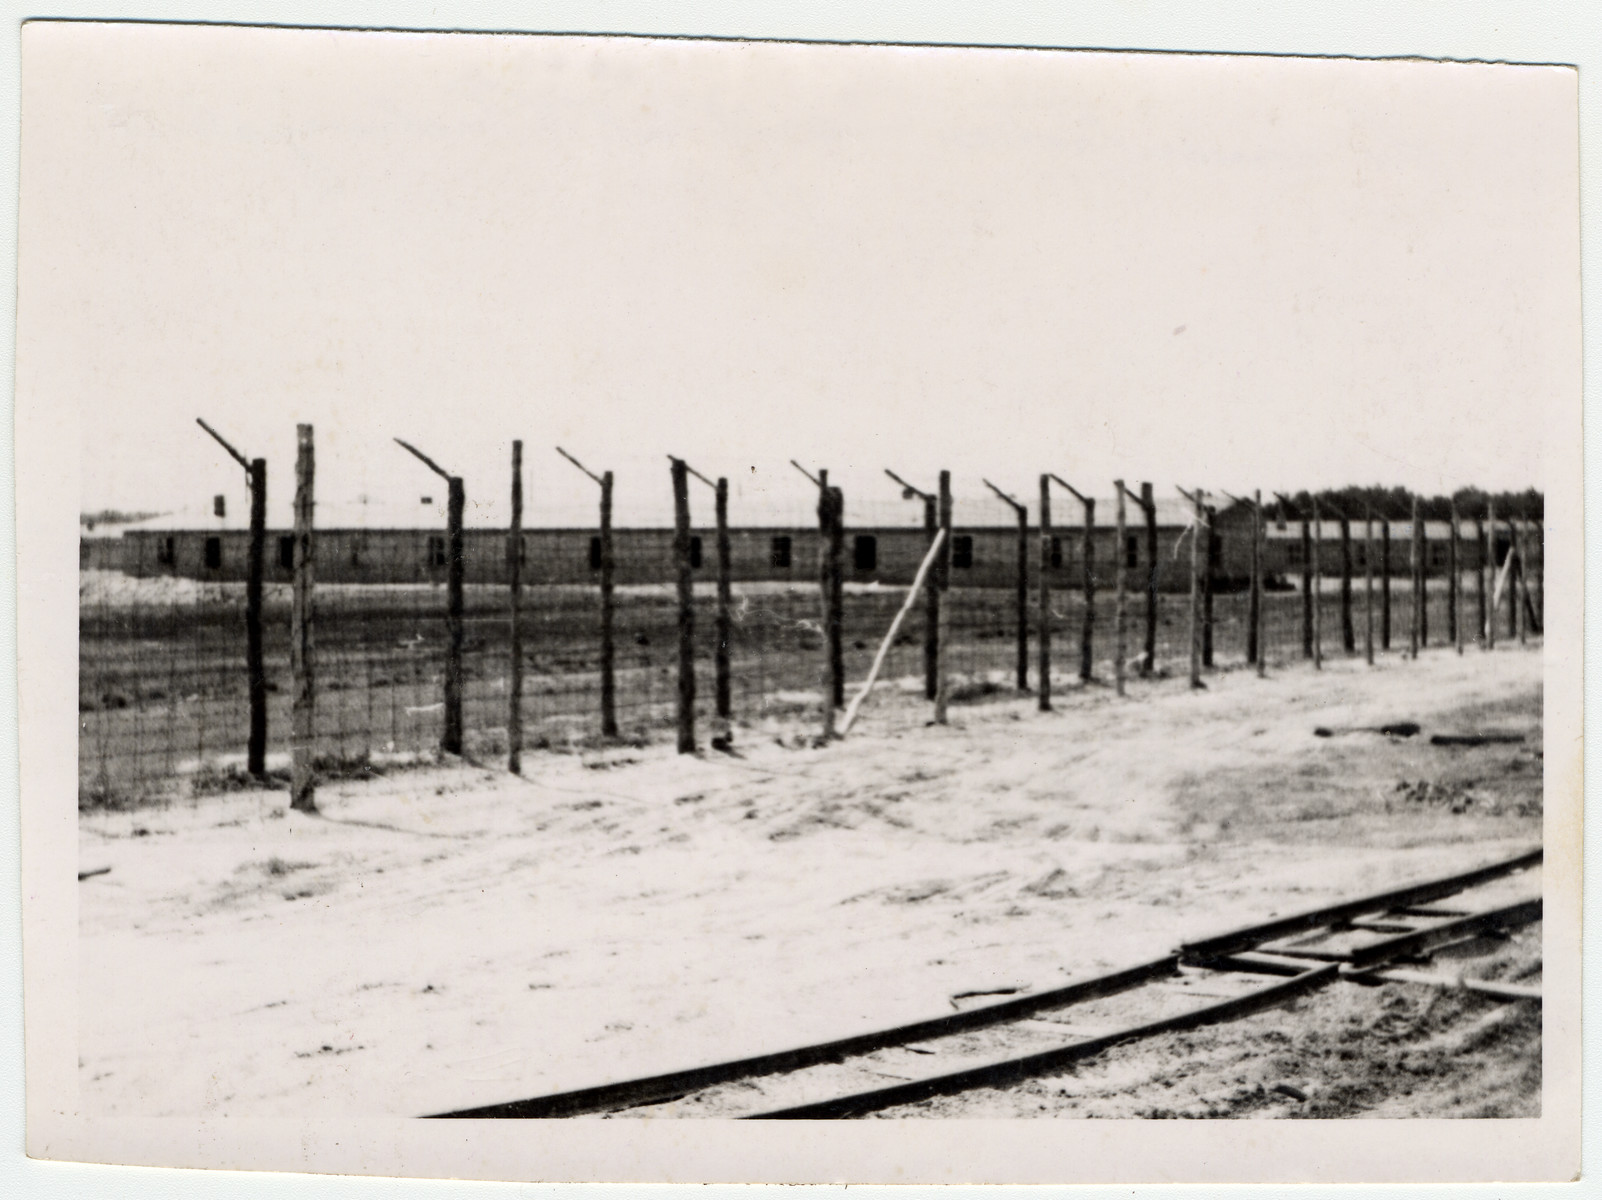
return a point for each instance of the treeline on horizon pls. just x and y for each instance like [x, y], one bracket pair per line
[1397, 503]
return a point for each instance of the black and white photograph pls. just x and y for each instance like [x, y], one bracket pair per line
[626, 584]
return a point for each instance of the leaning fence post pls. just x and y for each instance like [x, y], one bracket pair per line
[686, 592]
[943, 582]
[514, 576]
[302, 661]
[1513, 566]
[1415, 556]
[1148, 504]
[1120, 649]
[1043, 630]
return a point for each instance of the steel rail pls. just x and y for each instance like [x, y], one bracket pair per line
[1045, 1062]
[1219, 951]
[1414, 894]
[655, 1089]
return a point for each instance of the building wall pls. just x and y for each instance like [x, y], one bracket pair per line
[645, 556]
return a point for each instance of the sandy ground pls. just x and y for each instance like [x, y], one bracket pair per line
[443, 938]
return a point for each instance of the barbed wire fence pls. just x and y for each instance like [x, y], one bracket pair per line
[486, 646]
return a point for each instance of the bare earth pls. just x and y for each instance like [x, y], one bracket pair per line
[455, 936]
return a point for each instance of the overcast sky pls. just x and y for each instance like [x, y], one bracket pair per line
[1241, 273]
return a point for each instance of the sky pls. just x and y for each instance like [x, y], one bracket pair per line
[1227, 272]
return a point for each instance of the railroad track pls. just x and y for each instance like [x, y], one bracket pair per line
[1369, 939]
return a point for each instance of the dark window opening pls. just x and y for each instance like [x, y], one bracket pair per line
[1131, 551]
[695, 552]
[779, 552]
[355, 554]
[962, 552]
[865, 552]
[1056, 552]
[83, 554]
[219, 505]
[286, 552]
[436, 551]
[213, 553]
[166, 551]
[595, 554]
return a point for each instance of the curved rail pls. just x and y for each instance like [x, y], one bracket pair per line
[1232, 951]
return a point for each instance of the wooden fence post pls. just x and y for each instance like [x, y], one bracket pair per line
[943, 582]
[1490, 558]
[302, 660]
[1256, 608]
[1521, 595]
[1148, 503]
[1368, 585]
[1414, 558]
[1540, 576]
[1348, 633]
[1479, 580]
[826, 596]
[837, 596]
[1022, 602]
[451, 739]
[1512, 577]
[1454, 594]
[724, 630]
[931, 607]
[1385, 582]
[1208, 584]
[256, 754]
[1043, 629]
[1452, 579]
[1195, 589]
[1087, 628]
[1120, 645]
[1318, 588]
[514, 576]
[1021, 511]
[686, 593]
[1308, 607]
[608, 638]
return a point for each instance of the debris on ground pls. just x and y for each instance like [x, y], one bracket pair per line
[1398, 729]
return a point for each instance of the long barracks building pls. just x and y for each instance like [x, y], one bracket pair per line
[982, 555]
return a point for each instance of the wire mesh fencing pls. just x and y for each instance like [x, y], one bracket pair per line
[164, 698]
